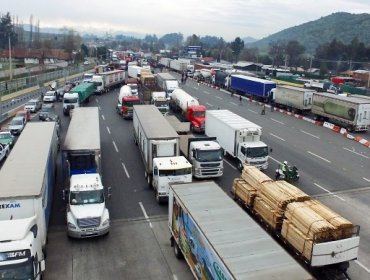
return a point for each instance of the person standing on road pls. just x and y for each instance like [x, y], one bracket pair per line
[263, 112]
[240, 99]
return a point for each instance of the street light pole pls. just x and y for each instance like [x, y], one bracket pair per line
[10, 59]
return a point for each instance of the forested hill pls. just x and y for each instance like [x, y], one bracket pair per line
[341, 26]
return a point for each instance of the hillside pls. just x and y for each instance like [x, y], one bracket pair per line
[342, 26]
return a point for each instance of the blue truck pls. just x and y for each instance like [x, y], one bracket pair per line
[254, 87]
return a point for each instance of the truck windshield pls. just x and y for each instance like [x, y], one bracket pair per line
[87, 197]
[131, 103]
[23, 270]
[174, 172]
[257, 152]
[70, 100]
[210, 155]
[199, 114]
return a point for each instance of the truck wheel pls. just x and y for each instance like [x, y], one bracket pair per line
[157, 197]
[149, 179]
[177, 251]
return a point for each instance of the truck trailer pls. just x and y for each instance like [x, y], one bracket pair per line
[220, 241]
[167, 83]
[353, 111]
[189, 109]
[133, 71]
[77, 96]
[239, 137]
[87, 214]
[106, 81]
[179, 65]
[254, 87]
[159, 145]
[293, 98]
[26, 193]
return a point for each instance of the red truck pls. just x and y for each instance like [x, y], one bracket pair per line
[190, 109]
[126, 99]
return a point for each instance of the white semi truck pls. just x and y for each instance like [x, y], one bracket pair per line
[239, 137]
[106, 81]
[87, 214]
[159, 144]
[221, 241]
[26, 193]
[134, 71]
[167, 83]
[159, 100]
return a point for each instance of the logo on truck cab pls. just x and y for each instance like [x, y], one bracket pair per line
[10, 205]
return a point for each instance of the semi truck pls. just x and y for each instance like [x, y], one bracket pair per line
[178, 65]
[188, 109]
[126, 101]
[353, 111]
[160, 101]
[219, 240]
[318, 85]
[106, 81]
[133, 71]
[159, 144]
[77, 96]
[26, 196]
[251, 86]
[293, 98]
[148, 86]
[205, 155]
[84, 193]
[239, 137]
[165, 61]
[167, 83]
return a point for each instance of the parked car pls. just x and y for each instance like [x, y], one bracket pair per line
[6, 138]
[24, 113]
[50, 96]
[45, 111]
[17, 124]
[4, 151]
[33, 105]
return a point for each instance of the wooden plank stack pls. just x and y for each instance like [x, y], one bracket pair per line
[302, 221]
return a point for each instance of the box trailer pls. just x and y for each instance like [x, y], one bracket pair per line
[220, 241]
[293, 98]
[167, 83]
[26, 193]
[255, 87]
[353, 111]
[106, 81]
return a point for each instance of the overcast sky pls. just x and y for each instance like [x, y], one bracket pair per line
[222, 18]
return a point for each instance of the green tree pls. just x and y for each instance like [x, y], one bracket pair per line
[236, 46]
[7, 32]
[277, 53]
[294, 49]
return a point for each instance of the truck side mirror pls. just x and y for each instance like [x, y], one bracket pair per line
[109, 192]
[65, 193]
[42, 265]
[270, 150]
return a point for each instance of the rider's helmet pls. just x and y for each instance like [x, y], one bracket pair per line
[285, 162]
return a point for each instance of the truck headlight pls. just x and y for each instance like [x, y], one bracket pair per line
[71, 226]
[105, 223]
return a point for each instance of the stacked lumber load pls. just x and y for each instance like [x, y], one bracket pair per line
[254, 176]
[243, 191]
[272, 200]
[311, 221]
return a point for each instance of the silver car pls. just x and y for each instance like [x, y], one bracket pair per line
[16, 126]
[33, 105]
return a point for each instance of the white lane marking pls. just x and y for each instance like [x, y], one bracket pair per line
[234, 103]
[124, 168]
[218, 97]
[277, 137]
[349, 150]
[175, 277]
[329, 192]
[206, 92]
[209, 104]
[232, 166]
[102, 116]
[108, 130]
[364, 267]
[367, 180]
[277, 121]
[145, 215]
[275, 160]
[252, 111]
[305, 132]
[96, 100]
[115, 146]
[324, 159]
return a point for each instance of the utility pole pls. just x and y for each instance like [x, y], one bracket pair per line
[10, 59]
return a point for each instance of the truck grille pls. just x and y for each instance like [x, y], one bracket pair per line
[88, 222]
[209, 165]
[210, 172]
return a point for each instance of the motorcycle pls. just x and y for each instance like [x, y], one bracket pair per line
[290, 175]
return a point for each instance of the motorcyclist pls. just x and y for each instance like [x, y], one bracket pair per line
[285, 167]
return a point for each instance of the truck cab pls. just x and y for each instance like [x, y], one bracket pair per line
[87, 215]
[70, 101]
[253, 153]
[196, 116]
[127, 104]
[160, 101]
[169, 170]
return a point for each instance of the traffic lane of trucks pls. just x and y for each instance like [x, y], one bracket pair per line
[132, 250]
[300, 134]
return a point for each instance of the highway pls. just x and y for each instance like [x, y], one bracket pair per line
[333, 169]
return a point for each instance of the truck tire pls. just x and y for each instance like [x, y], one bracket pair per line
[177, 251]
[157, 197]
[240, 166]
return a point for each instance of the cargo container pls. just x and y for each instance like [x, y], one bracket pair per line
[293, 98]
[254, 87]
